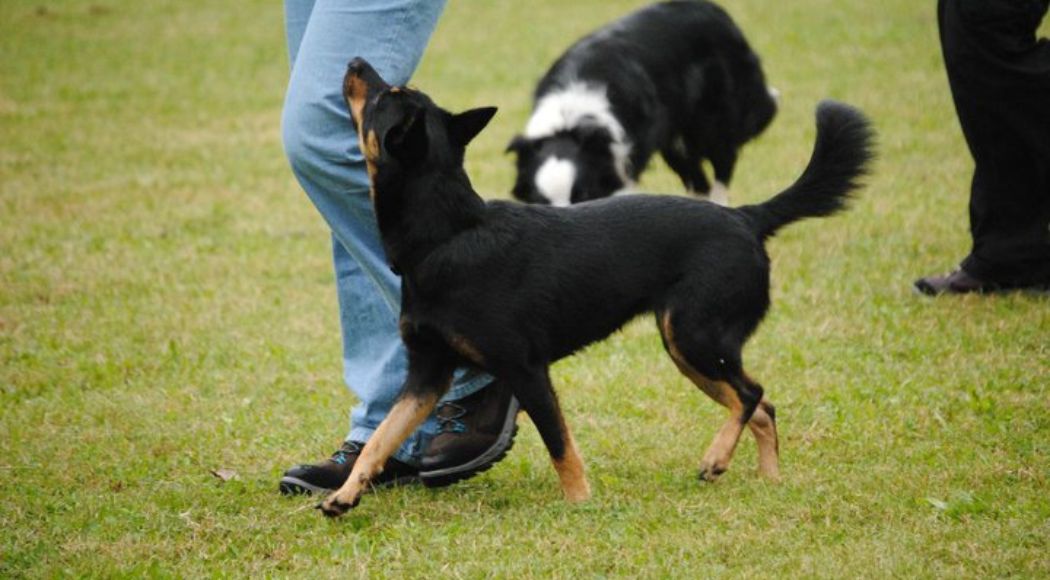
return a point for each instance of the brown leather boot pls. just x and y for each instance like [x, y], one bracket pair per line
[475, 433]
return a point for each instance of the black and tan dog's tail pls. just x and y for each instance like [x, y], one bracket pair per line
[841, 155]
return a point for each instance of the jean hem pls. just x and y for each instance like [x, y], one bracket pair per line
[467, 388]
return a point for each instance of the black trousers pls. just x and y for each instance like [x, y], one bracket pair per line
[999, 75]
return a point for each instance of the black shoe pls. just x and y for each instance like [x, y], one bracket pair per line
[962, 282]
[957, 282]
[330, 474]
[475, 433]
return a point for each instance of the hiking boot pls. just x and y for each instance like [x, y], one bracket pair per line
[330, 474]
[474, 433]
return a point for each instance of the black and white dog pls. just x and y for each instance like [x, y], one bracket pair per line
[676, 78]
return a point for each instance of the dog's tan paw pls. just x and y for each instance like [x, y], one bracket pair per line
[710, 470]
[578, 493]
[770, 472]
[334, 506]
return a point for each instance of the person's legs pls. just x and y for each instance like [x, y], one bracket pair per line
[999, 75]
[318, 135]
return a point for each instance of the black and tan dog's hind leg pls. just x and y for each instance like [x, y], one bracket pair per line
[429, 377]
[534, 391]
[763, 425]
[716, 369]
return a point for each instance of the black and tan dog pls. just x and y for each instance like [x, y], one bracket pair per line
[511, 288]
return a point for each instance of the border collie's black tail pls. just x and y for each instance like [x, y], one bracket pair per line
[840, 157]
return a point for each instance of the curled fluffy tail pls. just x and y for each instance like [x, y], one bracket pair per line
[840, 158]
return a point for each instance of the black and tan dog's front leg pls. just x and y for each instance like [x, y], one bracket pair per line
[536, 394]
[429, 377]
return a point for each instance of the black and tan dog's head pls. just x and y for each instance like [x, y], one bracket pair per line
[401, 129]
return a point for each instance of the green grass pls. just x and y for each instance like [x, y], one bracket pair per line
[167, 308]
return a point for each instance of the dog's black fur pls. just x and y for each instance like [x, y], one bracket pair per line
[680, 78]
[512, 288]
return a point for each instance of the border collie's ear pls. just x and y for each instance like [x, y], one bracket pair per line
[466, 125]
[407, 140]
[517, 145]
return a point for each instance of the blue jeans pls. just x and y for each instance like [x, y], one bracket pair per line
[319, 139]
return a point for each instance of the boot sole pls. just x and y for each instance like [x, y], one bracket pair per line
[295, 486]
[448, 475]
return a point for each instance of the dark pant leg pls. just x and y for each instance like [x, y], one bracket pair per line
[999, 75]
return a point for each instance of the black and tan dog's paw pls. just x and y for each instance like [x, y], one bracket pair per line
[710, 472]
[333, 507]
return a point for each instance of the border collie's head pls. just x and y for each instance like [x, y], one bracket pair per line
[570, 166]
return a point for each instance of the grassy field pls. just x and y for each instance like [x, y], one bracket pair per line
[167, 309]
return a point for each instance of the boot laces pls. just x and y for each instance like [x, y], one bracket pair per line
[448, 417]
[342, 456]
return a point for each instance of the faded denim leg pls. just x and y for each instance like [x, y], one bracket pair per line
[322, 147]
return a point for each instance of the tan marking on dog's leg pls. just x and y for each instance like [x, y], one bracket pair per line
[571, 471]
[716, 460]
[705, 384]
[407, 414]
[466, 349]
[720, 452]
[763, 426]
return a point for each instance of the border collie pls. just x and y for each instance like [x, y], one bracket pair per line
[676, 78]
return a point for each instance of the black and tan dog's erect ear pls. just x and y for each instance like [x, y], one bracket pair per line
[407, 140]
[466, 125]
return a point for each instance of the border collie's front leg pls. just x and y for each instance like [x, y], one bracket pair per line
[689, 169]
[429, 377]
[536, 395]
[723, 162]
